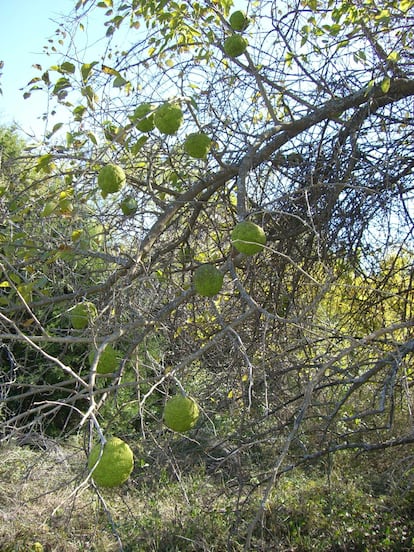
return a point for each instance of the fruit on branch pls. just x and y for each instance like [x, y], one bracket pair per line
[108, 361]
[82, 314]
[128, 206]
[168, 118]
[235, 45]
[181, 413]
[114, 466]
[248, 238]
[141, 119]
[111, 178]
[197, 145]
[141, 111]
[239, 21]
[146, 124]
[208, 280]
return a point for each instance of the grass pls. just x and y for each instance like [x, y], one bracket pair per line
[169, 506]
[37, 506]
[343, 515]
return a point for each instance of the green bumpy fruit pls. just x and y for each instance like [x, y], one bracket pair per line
[168, 118]
[197, 145]
[247, 237]
[140, 119]
[128, 206]
[114, 466]
[181, 413]
[147, 124]
[239, 21]
[208, 280]
[82, 314]
[235, 45]
[111, 179]
[108, 361]
[141, 111]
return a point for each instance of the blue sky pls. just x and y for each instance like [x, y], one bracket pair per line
[25, 28]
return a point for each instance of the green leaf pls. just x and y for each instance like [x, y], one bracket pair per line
[86, 70]
[15, 278]
[25, 291]
[67, 67]
[138, 144]
[45, 163]
[92, 138]
[79, 112]
[55, 128]
[334, 29]
[35, 79]
[119, 82]
[61, 85]
[312, 4]
[48, 209]
[90, 95]
[46, 78]
[69, 139]
[289, 57]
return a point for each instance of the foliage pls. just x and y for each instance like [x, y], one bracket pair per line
[321, 514]
[305, 353]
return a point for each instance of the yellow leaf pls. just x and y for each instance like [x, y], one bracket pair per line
[28, 322]
[385, 85]
[109, 70]
[230, 394]
[405, 5]
[393, 56]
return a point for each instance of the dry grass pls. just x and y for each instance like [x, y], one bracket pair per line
[39, 502]
[42, 500]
